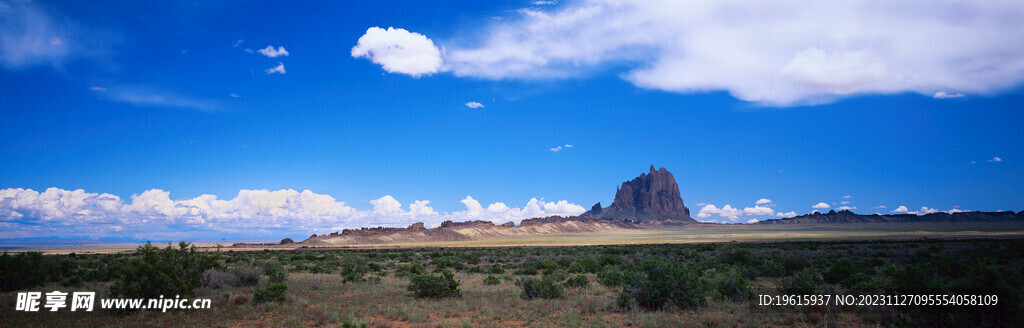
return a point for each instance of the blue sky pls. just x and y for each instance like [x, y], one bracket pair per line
[134, 111]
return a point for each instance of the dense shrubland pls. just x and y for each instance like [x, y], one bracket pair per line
[644, 278]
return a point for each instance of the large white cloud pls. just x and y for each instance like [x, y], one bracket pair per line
[399, 51]
[499, 212]
[758, 210]
[774, 53]
[786, 215]
[726, 211]
[251, 212]
[763, 209]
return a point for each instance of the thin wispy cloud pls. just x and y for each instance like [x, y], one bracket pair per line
[279, 69]
[947, 95]
[30, 36]
[473, 104]
[156, 97]
[995, 160]
[560, 148]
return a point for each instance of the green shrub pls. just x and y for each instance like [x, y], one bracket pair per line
[839, 271]
[275, 272]
[245, 276]
[611, 276]
[353, 268]
[526, 270]
[163, 271]
[548, 266]
[542, 288]
[577, 281]
[33, 269]
[431, 286]
[610, 259]
[557, 275]
[347, 324]
[733, 286]
[272, 292]
[662, 285]
[793, 264]
[214, 278]
[804, 282]
[585, 265]
[445, 262]
[496, 269]
[491, 280]
[408, 270]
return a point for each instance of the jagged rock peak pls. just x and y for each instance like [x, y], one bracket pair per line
[653, 196]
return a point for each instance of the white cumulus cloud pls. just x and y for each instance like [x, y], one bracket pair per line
[820, 205]
[901, 209]
[399, 51]
[269, 51]
[925, 210]
[786, 215]
[473, 104]
[763, 201]
[758, 210]
[726, 211]
[154, 211]
[773, 53]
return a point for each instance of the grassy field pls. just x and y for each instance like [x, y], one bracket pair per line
[709, 233]
[698, 233]
[716, 285]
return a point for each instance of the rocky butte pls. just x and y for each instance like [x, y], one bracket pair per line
[651, 198]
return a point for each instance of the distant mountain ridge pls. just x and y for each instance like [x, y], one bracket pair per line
[846, 216]
[459, 231]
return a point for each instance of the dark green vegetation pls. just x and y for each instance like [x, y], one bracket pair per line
[166, 271]
[272, 292]
[657, 285]
[431, 286]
